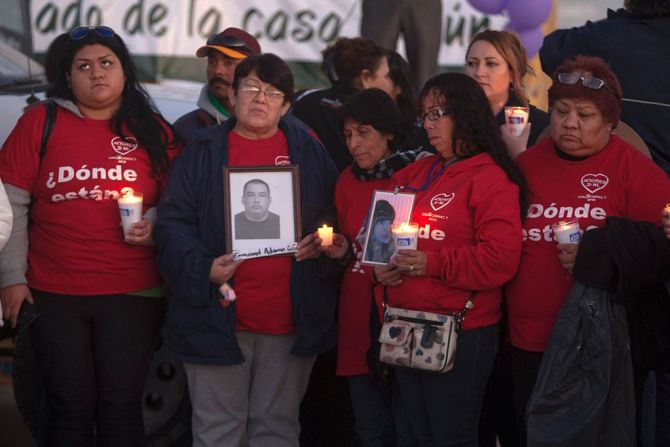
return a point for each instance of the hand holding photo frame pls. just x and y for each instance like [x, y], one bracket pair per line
[388, 208]
[262, 210]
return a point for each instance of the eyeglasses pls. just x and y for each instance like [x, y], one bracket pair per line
[587, 81]
[432, 115]
[270, 95]
[83, 31]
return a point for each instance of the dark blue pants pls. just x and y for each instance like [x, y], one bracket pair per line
[663, 407]
[94, 354]
[371, 402]
[443, 409]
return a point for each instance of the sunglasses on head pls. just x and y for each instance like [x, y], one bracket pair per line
[587, 81]
[83, 31]
[230, 42]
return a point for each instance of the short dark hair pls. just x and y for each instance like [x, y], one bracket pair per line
[344, 60]
[376, 108]
[270, 69]
[607, 98]
[648, 8]
[137, 112]
[475, 127]
[257, 181]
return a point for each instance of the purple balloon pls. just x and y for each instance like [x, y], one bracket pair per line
[525, 14]
[531, 40]
[488, 6]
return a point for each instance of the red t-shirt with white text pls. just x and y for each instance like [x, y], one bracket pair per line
[617, 181]
[262, 284]
[76, 241]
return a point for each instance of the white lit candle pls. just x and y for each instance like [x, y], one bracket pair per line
[405, 235]
[326, 235]
[567, 232]
[130, 208]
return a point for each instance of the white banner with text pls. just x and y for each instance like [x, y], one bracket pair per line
[293, 29]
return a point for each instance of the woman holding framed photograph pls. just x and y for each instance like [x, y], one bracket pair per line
[247, 361]
[370, 121]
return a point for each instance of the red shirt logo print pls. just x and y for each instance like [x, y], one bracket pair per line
[439, 201]
[124, 146]
[594, 182]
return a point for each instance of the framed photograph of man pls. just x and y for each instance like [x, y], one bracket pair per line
[387, 208]
[262, 209]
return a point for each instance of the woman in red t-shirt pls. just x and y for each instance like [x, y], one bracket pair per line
[96, 287]
[583, 172]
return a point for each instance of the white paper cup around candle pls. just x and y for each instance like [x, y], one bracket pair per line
[567, 232]
[517, 117]
[326, 235]
[405, 235]
[130, 208]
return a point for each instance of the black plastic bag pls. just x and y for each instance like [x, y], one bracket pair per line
[584, 392]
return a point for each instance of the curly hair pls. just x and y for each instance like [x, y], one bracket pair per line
[475, 129]
[137, 113]
[344, 60]
[607, 99]
[376, 108]
[509, 46]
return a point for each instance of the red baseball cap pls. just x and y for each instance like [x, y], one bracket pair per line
[233, 42]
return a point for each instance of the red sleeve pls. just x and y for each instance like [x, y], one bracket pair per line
[648, 190]
[494, 258]
[19, 157]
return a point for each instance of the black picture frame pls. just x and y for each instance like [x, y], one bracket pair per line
[264, 219]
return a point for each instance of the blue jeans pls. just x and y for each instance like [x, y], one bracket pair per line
[371, 402]
[443, 409]
[663, 408]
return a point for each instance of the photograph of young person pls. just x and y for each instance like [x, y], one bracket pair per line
[256, 221]
[380, 245]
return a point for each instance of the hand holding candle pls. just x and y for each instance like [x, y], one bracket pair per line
[326, 235]
[516, 118]
[130, 208]
[567, 232]
[405, 235]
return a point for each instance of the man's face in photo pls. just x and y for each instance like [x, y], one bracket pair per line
[256, 200]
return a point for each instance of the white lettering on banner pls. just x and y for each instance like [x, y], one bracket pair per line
[293, 30]
[68, 173]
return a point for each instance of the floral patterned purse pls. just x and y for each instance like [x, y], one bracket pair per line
[420, 340]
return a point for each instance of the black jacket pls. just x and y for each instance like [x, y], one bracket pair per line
[632, 260]
[638, 50]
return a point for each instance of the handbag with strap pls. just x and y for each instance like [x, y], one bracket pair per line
[420, 340]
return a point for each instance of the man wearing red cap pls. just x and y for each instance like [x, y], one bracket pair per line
[223, 52]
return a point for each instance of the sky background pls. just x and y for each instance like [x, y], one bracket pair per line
[576, 12]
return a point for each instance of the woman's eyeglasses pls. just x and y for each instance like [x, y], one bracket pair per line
[83, 31]
[587, 81]
[270, 95]
[431, 115]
